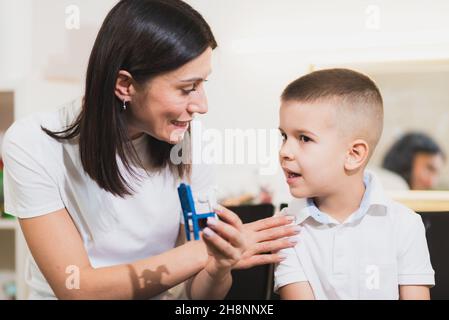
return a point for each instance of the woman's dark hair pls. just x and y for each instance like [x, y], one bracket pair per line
[399, 158]
[146, 38]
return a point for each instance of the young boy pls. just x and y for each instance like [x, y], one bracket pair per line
[355, 243]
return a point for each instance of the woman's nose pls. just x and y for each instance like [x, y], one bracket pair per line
[198, 103]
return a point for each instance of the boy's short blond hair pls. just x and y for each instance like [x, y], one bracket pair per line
[357, 99]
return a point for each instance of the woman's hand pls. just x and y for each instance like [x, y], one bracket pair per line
[234, 245]
[263, 238]
[225, 243]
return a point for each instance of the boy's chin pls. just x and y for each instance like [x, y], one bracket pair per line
[300, 192]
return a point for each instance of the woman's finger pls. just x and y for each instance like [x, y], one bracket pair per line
[220, 245]
[269, 223]
[278, 233]
[274, 246]
[227, 231]
[228, 216]
[258, 260]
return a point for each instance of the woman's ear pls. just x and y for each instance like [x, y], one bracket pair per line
[357, 155]
[124, 86]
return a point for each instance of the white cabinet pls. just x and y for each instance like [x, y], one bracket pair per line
[13, 249]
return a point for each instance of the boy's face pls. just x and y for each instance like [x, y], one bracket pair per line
[313, 151]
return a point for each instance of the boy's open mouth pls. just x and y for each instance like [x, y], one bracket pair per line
[291, 174]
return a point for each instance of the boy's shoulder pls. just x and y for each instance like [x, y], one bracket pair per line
[401, 215]
[397, 212]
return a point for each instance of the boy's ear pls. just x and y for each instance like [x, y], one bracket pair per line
[357, 155]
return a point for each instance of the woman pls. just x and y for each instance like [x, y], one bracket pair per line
[93, 185]
[418, 159]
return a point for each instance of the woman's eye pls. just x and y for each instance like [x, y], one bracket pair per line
[304, 138]
[189, 90]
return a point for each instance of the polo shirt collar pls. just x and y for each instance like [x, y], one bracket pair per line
[374, 196]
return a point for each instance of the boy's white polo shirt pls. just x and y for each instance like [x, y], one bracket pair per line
[379, 247]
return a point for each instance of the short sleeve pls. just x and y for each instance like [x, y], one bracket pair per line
[289, 270]
[30, 186]
[414, 266]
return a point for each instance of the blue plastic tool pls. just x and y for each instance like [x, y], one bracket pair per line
[188, 209]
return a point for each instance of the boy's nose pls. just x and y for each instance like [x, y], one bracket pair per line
[285, 153]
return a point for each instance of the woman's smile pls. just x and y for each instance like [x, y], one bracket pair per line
[183, 125]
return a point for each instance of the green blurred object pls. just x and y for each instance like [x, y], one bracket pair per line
[7, 216]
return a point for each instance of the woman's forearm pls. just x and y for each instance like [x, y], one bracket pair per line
[204, 286]
[59, 252]
[143, 279]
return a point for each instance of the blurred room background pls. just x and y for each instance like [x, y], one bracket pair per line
[263, 45]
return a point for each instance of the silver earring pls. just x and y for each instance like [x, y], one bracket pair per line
[124, 105]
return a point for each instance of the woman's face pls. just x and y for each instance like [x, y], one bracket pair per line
[426, 171]
[166, 105]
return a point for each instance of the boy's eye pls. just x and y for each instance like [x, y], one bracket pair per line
[304, 138]
[284, 136]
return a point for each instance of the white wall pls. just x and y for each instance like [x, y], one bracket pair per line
[15, 40]
[264, 44]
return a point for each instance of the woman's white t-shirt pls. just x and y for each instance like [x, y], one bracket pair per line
[42, 175]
